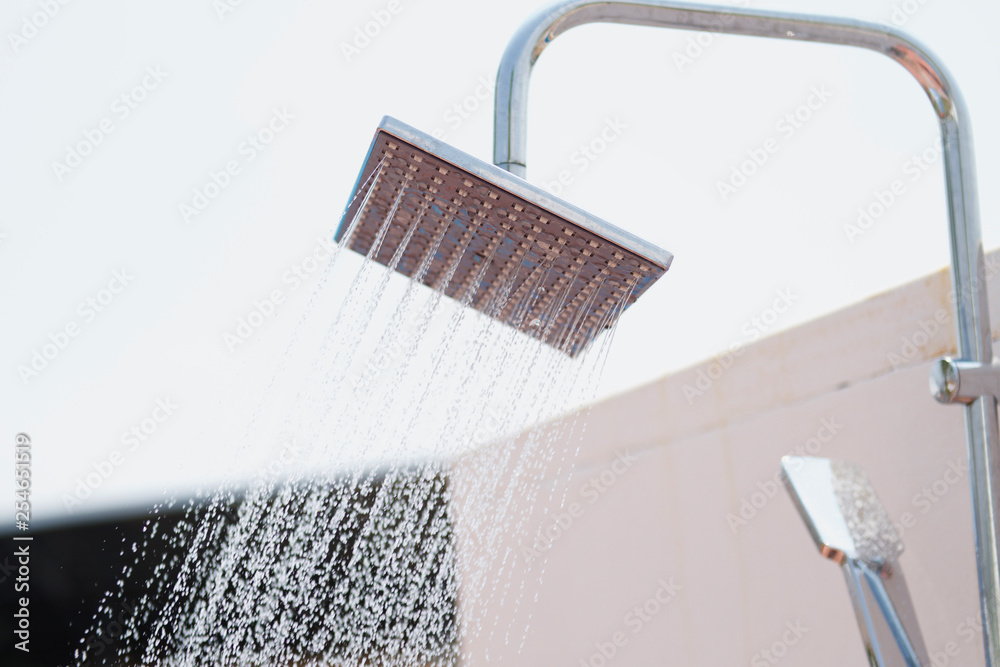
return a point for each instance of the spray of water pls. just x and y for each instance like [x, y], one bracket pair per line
[346, 551]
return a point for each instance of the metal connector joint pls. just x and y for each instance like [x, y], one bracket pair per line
[958, 381]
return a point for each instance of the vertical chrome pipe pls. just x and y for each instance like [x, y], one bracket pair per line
[967, 258]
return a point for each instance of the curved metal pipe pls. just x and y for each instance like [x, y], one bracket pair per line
[967, 258]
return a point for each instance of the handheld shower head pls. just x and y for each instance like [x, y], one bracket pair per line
[851, 527]
[493, 241]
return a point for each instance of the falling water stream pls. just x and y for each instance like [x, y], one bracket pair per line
[345, 551]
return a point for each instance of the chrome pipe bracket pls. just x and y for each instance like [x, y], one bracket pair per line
[962, 381]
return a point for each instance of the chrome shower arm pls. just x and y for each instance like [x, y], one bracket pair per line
[524, 49]
[975, 346]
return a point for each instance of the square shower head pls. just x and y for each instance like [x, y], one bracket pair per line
[493, 241]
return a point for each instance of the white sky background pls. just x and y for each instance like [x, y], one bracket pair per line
[684, 130]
